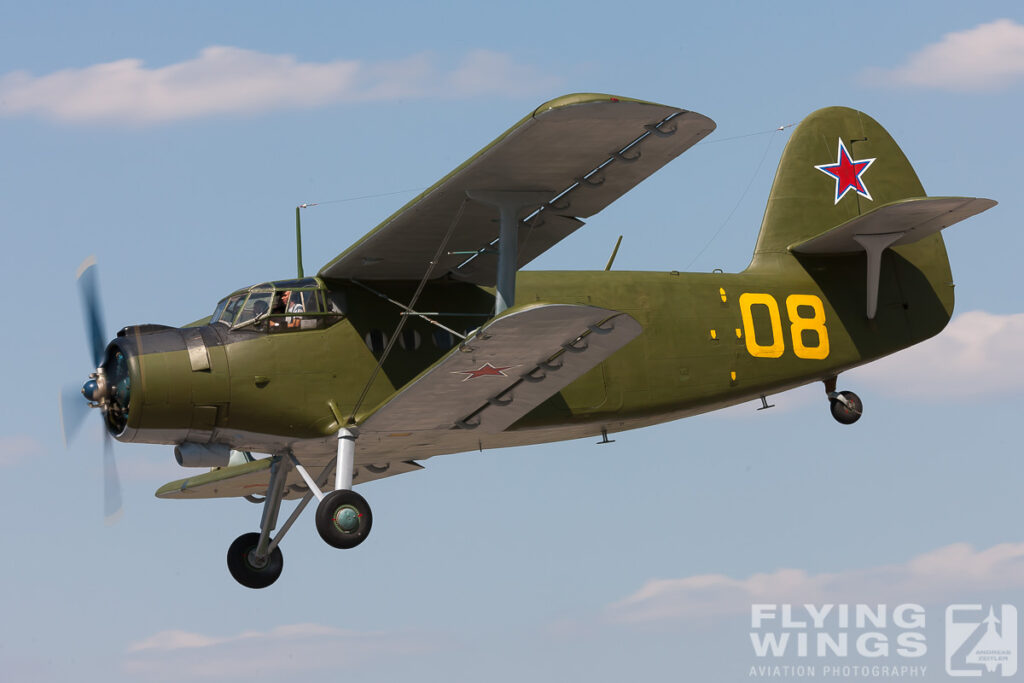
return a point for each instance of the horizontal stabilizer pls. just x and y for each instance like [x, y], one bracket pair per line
[908, 220]
[896, 223]
[506, 369]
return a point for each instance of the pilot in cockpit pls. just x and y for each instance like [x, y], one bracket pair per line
[293, 303]
[286, 302]
[277, 307]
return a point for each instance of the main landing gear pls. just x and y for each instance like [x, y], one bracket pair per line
[343, 517]
[846, 406]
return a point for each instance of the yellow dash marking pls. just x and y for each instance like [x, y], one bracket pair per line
[732, 375]
[714, 335]
[721, 293]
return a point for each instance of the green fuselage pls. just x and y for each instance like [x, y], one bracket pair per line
[709, 340]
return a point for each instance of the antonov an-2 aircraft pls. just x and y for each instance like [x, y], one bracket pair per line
[424, 338]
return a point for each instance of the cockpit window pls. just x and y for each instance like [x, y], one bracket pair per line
[227, 309]
[283, 306]
[256, 306]
[219, 310]
[297, 309]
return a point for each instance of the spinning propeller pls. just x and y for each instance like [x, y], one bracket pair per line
[108, 388]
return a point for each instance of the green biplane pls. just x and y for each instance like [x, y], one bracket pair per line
[424, 338]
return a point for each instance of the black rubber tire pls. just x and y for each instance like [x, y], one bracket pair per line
[333, 534]
[844, 415]
[244, 572]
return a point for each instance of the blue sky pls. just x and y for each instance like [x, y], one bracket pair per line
[180, 169]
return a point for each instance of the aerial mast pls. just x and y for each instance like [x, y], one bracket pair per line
[298, 237]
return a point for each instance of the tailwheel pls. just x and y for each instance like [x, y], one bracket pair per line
[846, 406]
[248, 568]
[343, 519]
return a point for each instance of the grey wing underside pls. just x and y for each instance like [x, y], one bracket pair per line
[579, 152]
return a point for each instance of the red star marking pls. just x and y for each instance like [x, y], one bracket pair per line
[847, 173]
[483, 371]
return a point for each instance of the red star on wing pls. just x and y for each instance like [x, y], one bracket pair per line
[847, 173]
[483, 371]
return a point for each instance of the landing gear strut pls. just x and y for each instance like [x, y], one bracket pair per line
[343, 517]
[253, 559]
[846, 406]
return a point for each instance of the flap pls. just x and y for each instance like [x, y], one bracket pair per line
[506, 369]
[252, 478]
[581, 151]
[914, 218]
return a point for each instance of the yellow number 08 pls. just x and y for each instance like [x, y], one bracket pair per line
[798, 325]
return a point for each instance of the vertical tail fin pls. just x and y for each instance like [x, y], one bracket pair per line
[846, 206]
[839, 163]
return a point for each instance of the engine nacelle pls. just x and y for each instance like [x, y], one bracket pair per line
[190, 454]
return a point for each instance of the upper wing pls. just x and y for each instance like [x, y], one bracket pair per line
[581, 152]
[506, 369]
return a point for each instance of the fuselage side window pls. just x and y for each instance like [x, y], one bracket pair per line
[336, 302]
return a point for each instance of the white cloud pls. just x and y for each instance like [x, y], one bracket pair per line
[231, 80]
[986, 57]
[14, 449]
[486, 72]
[183, 640]
[176, 654]
[937, 575]
[977, 355]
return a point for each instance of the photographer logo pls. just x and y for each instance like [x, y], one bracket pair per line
[981, 640]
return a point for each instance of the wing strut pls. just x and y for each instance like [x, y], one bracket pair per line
[509, 205]
[401, 321]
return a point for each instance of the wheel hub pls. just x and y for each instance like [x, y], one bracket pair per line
[346, 518]
[255, 561]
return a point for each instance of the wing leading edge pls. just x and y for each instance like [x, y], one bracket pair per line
[579, 152]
